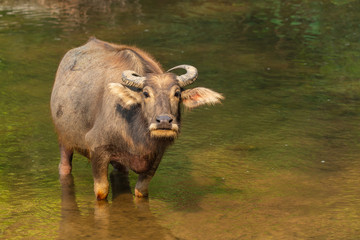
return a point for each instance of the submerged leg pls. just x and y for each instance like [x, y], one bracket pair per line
[99, 166]
[120, 184]
[65, 160]
[142, 184]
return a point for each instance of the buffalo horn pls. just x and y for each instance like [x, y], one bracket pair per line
[189, 77]
[132, 79]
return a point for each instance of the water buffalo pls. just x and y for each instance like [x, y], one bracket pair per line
[115, 104]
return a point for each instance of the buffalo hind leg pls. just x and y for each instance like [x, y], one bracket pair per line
[65, 164]
[142, 184]
[120, 167]
[99, 165]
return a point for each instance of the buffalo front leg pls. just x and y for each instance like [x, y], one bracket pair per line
[65, 164]
[99, 165]
[142, 184]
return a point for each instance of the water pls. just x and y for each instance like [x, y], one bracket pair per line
[279, 159]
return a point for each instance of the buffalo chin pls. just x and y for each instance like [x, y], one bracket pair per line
[163, 133]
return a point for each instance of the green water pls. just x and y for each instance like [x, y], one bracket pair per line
[279, 159]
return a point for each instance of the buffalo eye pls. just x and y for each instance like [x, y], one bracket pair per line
[177, 94]
[146, 94]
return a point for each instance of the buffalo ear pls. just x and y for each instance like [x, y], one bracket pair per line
[195, 97]
[126, 97]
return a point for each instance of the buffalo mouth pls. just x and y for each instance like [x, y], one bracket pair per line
[157, 131]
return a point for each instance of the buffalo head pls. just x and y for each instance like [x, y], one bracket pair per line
[160, 95]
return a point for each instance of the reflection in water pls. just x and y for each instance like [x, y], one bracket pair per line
[122, 218]
[70, 15]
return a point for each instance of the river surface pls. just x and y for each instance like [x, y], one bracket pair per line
[279, 159]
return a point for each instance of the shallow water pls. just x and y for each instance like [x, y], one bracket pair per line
[279, 159]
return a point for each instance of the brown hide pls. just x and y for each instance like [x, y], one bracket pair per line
[86, 116]
[114, 104]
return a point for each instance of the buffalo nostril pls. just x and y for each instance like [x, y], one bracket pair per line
[164, 119]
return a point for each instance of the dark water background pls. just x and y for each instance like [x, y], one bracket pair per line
[279, 159]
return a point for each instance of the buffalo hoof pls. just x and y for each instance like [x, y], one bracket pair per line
[101, 192]
[101, 195]
[140, 194]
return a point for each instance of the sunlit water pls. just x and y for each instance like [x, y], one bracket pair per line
[279, 159]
